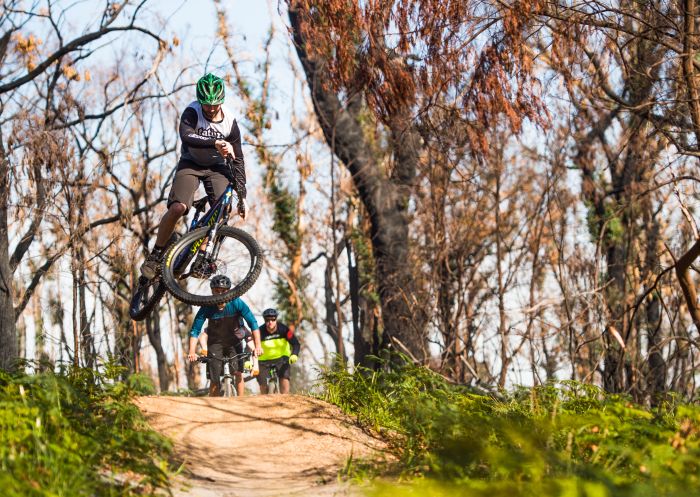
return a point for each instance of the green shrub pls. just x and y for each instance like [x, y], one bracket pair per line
[76, 435]
[554, 440]
[141, 384]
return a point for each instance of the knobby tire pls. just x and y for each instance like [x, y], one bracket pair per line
[140, 309]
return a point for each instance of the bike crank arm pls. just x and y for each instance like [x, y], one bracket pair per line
[203, 265]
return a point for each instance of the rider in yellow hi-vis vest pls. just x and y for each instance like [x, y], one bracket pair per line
[280, 347]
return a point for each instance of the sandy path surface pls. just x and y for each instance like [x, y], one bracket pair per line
[258, 446]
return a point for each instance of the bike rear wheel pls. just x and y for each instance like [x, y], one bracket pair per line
[238, 256]
[145, 298]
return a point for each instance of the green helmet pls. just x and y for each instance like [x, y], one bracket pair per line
[210, 90]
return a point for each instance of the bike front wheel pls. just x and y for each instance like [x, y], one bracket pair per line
[273, 386]
[228, 387]
[186, 274]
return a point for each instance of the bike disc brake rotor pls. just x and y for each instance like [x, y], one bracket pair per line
[233, 259]
[202, 268]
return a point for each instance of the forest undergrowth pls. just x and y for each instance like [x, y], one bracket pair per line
[566, 439]
[78, 434]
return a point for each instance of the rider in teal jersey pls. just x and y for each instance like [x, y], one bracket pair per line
[226, 336]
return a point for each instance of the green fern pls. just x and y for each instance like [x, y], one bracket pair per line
[560, 439]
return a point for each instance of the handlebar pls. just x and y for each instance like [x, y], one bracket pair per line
[206, 359]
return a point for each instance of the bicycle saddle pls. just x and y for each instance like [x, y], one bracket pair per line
[200, 204]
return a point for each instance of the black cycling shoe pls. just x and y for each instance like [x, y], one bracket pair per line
[151, 266]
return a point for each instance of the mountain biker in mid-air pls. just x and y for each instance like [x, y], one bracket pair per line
[209, 133]
[280, 348]
[226, 337]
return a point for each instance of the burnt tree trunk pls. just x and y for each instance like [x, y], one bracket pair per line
[331, 319]
[8, 332]
[361, 336]
[87, 341]
[154, 336]
[385, 198]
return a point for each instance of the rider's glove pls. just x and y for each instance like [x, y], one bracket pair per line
[248, 365]
[293, 358]
[242, 208]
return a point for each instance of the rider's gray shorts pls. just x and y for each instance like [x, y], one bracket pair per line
[187, 179]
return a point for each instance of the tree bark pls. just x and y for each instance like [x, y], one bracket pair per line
[686, 281]
[657, 370]
[8, 333]
[86, 339]
[361, 337]
[331, 309]
[153, 331]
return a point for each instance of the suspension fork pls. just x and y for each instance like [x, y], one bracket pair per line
[222, 221]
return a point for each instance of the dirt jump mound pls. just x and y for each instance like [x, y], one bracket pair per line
[276, 445]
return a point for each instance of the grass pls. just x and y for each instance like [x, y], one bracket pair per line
[565, 439]
[77, 434]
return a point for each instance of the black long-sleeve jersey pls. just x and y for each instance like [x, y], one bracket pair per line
[199, 135]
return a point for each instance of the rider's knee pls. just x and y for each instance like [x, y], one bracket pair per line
[177, 209]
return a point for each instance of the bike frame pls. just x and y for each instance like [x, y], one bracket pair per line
[218, 213]
[215, 217]
[227, 381]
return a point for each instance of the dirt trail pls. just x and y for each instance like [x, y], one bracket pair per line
[258, 446]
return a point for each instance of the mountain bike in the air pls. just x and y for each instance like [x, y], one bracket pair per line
[209, 248]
